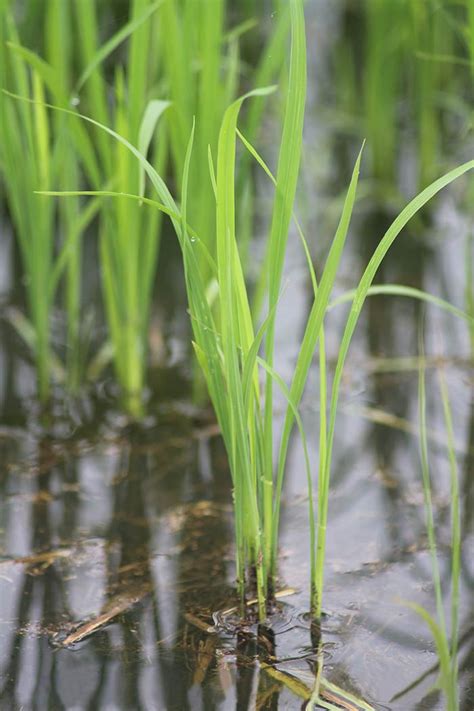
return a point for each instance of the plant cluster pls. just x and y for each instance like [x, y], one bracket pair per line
[176, 62]
[412, 65]
[122, 152]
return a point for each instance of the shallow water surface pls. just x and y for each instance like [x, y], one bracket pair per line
[117, 562]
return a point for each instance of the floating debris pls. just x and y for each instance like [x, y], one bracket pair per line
[117, 606]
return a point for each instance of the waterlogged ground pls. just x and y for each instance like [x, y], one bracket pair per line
[116, 557]
[117, 563]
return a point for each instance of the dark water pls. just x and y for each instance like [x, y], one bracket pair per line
[120, 537]
[138, 525]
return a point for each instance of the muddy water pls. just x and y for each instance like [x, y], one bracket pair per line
[116, 553]
[117, 550]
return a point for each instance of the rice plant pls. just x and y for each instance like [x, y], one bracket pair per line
[227, 344]
[446, 642]
[180, 62]
[59, 151]
[128, 236]
[413, 53]
[35, 152]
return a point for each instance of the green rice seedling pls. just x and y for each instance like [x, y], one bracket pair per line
[58, 31]
[191, 70]
[428, 33]
[198, 73]
[408, 58]
[446, 644]
[35, 153]
[33, 221]
[53, 147]
[382, 83]
[201, 72]
[190, 33]
[360, 295]
[128, 263]
[227, 344]
[228, 352]
[201, 69]
[128, 235]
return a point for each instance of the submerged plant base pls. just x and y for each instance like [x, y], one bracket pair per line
[264, 656]
[131, 555]
[253, 647]
[132, 403]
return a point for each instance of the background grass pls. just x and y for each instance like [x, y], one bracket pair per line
[175, 62]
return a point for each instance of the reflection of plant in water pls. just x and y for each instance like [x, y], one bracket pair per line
[41, 599]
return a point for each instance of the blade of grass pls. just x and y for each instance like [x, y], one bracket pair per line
[409, 292]
[310, 338]
[287, 177]
[455, 535]
[361, 293]
[151, 116]
[112, 44]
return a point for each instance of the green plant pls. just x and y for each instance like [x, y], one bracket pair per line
[35, 153]
[191, 72]
[447, 646]
[56, 147]
[228, 353]
[227, 348]
[398, 77]
[129, 236]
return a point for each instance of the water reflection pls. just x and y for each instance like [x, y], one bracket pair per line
[120, 545]
[100, 562]
[32, 591]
